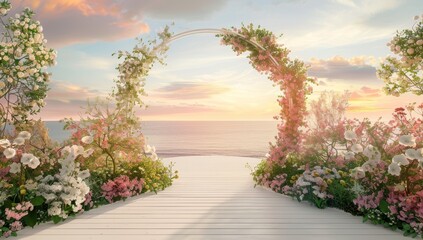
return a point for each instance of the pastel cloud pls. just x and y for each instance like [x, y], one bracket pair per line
[75, 21]
[190, 90]
[357, 69]
[348, 22]
[67, 92]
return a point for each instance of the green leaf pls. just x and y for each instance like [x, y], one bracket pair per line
[365, 218]
[30, 219]
[37, 201]
[384, 206]
[14, 234]
[56, 219]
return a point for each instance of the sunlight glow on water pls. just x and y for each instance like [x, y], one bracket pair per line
[183, 138]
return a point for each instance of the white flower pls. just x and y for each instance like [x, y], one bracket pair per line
[411, 154]
[349, 155]
[9, 153]
[84, 174]
[34, 163]
[31, 185]
[55, 209]
[147, 149]
[26, 158]
[350, 135]
[407, 140]
[300, 182]
[399, 187]
[25, 135]
[30, 160]
[394, 169]
[87, 139]
[357, 148]
[19, 141]
[15, 168]
[372, 153]
[154, 156]
[369, 165]
[400, 159]
[358, 173]
[419, 154]
[4, 143]
[88, 152]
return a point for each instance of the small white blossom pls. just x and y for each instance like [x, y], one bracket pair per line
[357, 148]
[15, 168]
[88, 152]
[9, 153]
[350, 135]
[84, 174]
[407, 140]
[372, 153]
[394, 169]
[411, 154]
[358, 173]
[4, 143]
[25, 135]
[147, 149]
[19, 141]
[400, 159]
[349, 155]
[87, 139]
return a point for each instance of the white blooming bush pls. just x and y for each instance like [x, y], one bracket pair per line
[29, 186]
[23, 59]
[65, 192]
[404, 73]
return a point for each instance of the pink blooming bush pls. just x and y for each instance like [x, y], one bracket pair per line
[370, 169]
[271, 58]
[121, 188]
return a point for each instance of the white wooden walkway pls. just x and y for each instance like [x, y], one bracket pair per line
[213, 199]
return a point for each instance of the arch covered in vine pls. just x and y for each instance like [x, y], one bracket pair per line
[266, 55]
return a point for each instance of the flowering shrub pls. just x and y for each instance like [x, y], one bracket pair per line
[121, 188]
[36, 190]
[369, 169]
[23, 80]
[405, 73]
[272, 59]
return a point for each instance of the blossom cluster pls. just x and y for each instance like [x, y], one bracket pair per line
[66, 188]
[23, 58]
[270, 58]
[404, 73]
[370, 169]
[121, 188]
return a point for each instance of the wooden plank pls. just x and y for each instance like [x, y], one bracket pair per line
[215, 199]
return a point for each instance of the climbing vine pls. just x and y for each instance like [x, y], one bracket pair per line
[269, 57]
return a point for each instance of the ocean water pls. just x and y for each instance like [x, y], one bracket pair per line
[196, 138]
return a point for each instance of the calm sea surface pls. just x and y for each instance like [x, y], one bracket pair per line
[186, 138]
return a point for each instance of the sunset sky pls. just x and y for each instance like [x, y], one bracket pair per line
[343, 41]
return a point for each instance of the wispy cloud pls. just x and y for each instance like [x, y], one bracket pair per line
[346, 22]
[190, 90]
[76, 21]
[356, 69]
